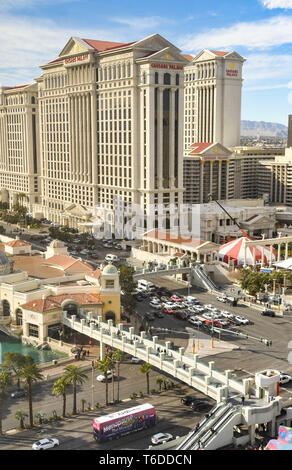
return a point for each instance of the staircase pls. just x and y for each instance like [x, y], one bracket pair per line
[199, 273]
[215, 430]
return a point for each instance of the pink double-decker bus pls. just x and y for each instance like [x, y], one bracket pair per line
[124, 422]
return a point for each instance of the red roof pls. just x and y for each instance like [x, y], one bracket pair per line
[55, 301]
[20, 86]
[220, 53]
[188, 57]
[200, 146]
[101, 46]
[56, 60]
[174, 238]
[18, 243]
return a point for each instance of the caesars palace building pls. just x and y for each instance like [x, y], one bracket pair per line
[108, 120]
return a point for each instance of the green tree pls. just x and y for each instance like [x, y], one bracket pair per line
[14, 362]
[5, 383]
[74, 376]
[118, 357]
[105, 365]
[159, 382]
[128, 285]
[30, 373]
[60, 388]
[20, 415]
[145, 369]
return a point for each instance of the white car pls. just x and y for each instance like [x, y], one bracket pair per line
[161, 437]
[285, 379]
[226, 314]
[207, 316]
[43, 444]
[241, 320]
[135, 360]
[101, 377]
[221, 299]
[155, 305]
[194, 321]
[155, 300]
[210, 306]
[191, 299]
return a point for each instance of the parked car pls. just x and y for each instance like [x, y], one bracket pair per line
[161, 437]
[268, 313]
[158, 313]
[194, 321]
[168, 310]
[176, 298]
[181, 315]
[188, 399]
[149, 316]
[226, 314]
[200, 406]
[47, 443]
[221, 298]
[209, 307]
[101, 377]
[19, 393]
[155, 305]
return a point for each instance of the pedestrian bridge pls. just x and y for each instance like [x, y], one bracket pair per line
[170, 270]
[187, 368]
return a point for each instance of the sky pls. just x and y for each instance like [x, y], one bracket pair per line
[33, 32]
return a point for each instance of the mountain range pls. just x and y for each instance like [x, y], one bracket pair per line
[261, 128]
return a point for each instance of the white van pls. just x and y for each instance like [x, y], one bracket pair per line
[146, 285]
[111, 258]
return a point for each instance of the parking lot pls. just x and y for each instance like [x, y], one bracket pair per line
[252, 355]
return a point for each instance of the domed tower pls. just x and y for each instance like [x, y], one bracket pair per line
[110, 293]
[56, 247]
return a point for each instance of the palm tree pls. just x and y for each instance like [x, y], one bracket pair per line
[14, 362]
[145, 369]
[60, 388]
[5, 382]
[30, 373]
[159, 382]
[74, 376]
[20, 415]
[118, 357]
[105, 365]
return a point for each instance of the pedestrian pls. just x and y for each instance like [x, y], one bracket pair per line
[87, 352]
[242, 399]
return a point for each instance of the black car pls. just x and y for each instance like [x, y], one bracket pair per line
[188, 399]
[158, 313]
[268, 313]
[200, 405]
[181, 315]
[149, 316]
[18, 393]
[138, 297]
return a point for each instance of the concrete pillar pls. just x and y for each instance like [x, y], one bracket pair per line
[286, 250]
[82, 324]
[271, 255]
[211, 366]
[101, 350]
[167, 345]
[279, 251]
[131, 331]
[263, 257]
[251, 431]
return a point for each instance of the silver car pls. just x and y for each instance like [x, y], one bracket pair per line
[47, 443]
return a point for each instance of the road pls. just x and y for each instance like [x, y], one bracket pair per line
[76, 432]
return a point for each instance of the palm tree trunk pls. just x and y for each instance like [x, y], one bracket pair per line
[30, 404]
[106, 390]
[113, 385]
[118, 386]
[147, 378]
[1, 431]
[74, 398]
[64, 405]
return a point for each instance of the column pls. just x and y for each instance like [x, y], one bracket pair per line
[244, 253]
[254, 256]
[286, 250]
[271, 255]
[263, 258]
[171, 136]
[279, 251]
[160, 138]
[201, 182]
[211, 176]
[219, 178]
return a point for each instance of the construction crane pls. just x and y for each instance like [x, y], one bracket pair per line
[210, 198]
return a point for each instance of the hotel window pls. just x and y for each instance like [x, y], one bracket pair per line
[33, 330]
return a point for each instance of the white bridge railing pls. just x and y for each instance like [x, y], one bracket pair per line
[186, 368]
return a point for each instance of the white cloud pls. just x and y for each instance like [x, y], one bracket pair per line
[18, 4]
[141, 23]
[270, 4]
[266, 67]
[27, 43]
[255, 34]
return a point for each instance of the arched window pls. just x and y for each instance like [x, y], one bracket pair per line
[18, 315]
[167, 79]
[6, 308]
[156, 78]
[129, 70]
[177, 79]
[71, 309]
[110, 316]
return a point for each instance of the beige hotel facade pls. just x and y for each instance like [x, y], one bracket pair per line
[107, 120]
